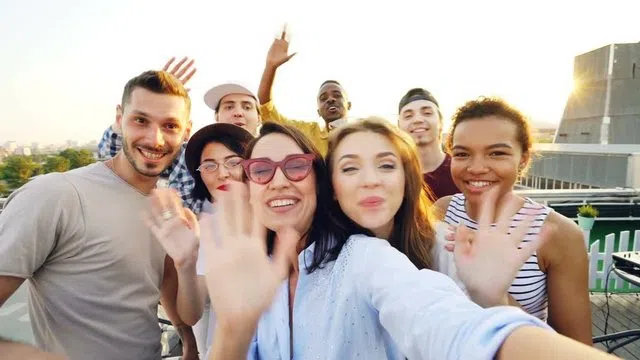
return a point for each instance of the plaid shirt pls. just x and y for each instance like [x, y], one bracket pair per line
[176, 175]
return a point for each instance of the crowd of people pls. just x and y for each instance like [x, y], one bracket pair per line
[265, 237]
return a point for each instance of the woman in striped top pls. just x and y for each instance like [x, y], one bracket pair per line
[490, 146]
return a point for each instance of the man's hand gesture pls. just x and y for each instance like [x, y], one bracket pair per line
[279, 51]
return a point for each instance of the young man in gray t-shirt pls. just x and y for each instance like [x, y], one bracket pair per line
[95, 272]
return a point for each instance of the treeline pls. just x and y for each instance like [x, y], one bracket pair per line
[16, 170]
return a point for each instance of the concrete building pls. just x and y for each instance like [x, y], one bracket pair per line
[597, 144]
[11, 146]
[23, 150]
[584, 166]
[605, 107]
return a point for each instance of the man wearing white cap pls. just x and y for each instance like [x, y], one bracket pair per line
[232, 103]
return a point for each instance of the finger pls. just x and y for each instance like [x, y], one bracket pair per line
[207, 241]
[149, 222]
[258, 231]
[157, 207]
[505, 216]
[487, 209]
[166, 66]
[224, 218]
[170, 201]
[192, 221]
[283, 35]
[464, 237]
[290, 56]
[184, 69]
[450, 236]
[177, 66]
[206, 224]
[450, 247]
[243, 210]
[530, 247]
[174, 203]
[188, 77]
[284, 248]
[520, 231]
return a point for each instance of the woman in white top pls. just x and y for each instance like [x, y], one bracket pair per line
[213, 157]
[490, 143]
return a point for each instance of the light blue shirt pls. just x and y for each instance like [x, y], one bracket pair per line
[372, 303]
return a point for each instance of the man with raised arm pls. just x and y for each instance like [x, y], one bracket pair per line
[232, 103]
[332, 100]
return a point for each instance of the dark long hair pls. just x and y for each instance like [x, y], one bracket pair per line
[200, 191]
[412, 233]
[327, 236]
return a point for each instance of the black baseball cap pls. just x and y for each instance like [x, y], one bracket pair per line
[414, 95]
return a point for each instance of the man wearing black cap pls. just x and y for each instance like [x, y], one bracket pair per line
[419, 115]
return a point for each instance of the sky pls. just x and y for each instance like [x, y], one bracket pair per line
[64, 63]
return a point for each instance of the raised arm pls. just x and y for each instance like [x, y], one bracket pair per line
[417, 305]
[430, 318]
[177, 231]
[278, 54]
[239, 251]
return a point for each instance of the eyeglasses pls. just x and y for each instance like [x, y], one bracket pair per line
[295, 167]
[209, 167]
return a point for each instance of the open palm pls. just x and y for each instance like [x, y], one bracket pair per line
[181, 70]
[487, 260]
[242, 280]
[279, 51]
[175, 228]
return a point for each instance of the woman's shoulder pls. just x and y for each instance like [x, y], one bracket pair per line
[364, 242]
[441, 205]
[368, 252]
[564, 239]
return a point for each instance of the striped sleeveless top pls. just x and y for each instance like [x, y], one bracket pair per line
[529, 288]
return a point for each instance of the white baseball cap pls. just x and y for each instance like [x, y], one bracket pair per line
[215, 94]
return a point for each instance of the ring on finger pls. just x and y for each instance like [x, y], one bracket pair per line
[167, 215]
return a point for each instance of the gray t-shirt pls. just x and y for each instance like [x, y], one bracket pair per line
[94, 269]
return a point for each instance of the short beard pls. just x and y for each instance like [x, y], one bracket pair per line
[331, 118]
[138, 169]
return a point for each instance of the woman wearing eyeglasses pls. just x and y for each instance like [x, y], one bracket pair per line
[323, 294]
[213, 158]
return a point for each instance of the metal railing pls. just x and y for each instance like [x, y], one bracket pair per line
[613, 204]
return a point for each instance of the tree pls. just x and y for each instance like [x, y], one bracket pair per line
[18, 169]
[77, 158]
[39, 158]
[56, 163]
[4, 190]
